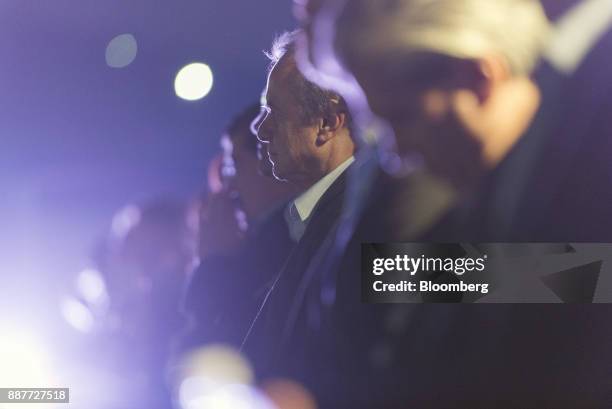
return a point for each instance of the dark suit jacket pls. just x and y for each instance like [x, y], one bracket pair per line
[556, 184]
[448, 355]
[280, 336]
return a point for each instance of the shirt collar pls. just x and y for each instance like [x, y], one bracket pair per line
[299, 210]
[306, 202]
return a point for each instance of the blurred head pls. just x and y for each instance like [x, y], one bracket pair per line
[151, 249]
[246, 171]
[305, 128]
[450, 76]
[163, 238]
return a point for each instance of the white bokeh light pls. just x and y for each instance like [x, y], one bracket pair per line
[25, 363]
[210, 396]
[121, 51]
[92, 288]
[193, 81]
[217, 376]
[218, 363]
[125, 220]
[77, 314]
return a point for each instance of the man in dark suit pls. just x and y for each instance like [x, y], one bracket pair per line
[444, 355]
[306, 130]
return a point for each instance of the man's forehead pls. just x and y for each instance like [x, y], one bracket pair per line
[280, 76]
[284, 67]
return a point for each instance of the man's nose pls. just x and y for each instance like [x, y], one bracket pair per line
[257, 125]
[259, 128]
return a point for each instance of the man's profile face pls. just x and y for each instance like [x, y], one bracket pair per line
[290, 141]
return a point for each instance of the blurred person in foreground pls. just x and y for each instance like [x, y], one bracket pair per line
[144, 263]
[307, 133]
[454, 80]
[243, 241]
[526, 162]
[467, 96]
[557, 183]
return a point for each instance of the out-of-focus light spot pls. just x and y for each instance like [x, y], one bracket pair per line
[218, 377]
[121, 51]
[228, 165]
[86, 380]
[241, 219]
[218, 364]
[124, 220]
[23, 361]
[92, 288]
[288, 394]
[200, 394]
[77, 314]
[227, 145]
[193, 81]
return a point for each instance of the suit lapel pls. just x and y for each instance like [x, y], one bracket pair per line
[322, 220]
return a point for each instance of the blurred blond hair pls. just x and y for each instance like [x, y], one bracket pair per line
[518, 30]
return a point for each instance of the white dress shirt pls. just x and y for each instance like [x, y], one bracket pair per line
[298, 212]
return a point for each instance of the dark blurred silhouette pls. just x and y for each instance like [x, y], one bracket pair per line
[243, 242]
[557, 182]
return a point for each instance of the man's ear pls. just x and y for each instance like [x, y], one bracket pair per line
[474, 77]
[481, 76]
[329, 126]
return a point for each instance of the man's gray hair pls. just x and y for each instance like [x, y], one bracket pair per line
[283, 44]
[518, 30]
[315, 101]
